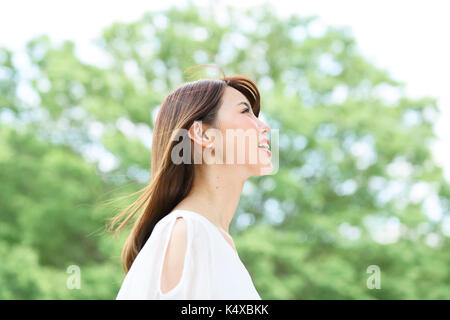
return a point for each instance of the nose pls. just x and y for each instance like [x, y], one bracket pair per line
[265, 127]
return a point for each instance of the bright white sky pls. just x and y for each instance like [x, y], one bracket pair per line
[408, 38]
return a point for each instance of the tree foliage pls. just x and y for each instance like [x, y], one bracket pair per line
[357, 184]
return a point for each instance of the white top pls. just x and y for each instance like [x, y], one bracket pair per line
[212, 269]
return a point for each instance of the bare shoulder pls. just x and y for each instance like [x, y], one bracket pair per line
[175, 255]
[178, 240]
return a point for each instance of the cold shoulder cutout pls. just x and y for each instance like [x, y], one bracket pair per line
[175, 257]
[211, 267]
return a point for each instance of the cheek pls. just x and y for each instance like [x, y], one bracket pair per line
[251, 128]
[250, 124]
[239, 123]
[243, 123]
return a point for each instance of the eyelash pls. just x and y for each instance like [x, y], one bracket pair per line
[246, 110]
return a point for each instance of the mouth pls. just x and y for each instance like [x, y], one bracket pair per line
[264, 144]
[265, 147]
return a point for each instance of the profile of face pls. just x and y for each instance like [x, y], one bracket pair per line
[239, 139]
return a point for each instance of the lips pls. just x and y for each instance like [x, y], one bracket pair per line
[264, 144]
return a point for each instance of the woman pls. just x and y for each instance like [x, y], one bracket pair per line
[180, 247]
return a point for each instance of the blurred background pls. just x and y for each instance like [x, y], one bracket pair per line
[359, 93]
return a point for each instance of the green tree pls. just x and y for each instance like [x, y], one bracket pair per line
[351, 161]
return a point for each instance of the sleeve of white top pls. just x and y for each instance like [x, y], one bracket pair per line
[195, 281]
[143, 280]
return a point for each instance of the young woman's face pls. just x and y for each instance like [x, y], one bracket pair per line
[242, 135]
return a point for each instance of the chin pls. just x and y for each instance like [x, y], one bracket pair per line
[261, 170]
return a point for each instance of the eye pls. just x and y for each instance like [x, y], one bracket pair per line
[246, 110]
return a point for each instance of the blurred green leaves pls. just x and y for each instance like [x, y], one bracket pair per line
[355, 166]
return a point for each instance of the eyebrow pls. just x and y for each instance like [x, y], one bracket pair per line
[243, 102]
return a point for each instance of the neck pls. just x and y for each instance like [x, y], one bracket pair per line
[215, 194]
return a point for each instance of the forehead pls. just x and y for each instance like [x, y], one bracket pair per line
[233, 96]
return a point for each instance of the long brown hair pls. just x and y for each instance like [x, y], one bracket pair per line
[170, 183]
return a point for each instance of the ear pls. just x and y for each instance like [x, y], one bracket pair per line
[197, 132]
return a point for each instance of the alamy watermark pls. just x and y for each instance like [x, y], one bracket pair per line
[247, 145]
[74, 280]
[374, 281]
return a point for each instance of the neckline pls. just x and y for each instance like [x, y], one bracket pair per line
[212, 224]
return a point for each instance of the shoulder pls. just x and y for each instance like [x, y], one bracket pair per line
[178, 237]
[175, 255]
[182, 227]
[187, 220]
[186, 234]
[176, 247]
